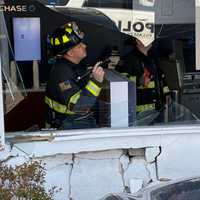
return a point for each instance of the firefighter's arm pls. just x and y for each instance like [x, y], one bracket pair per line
[82, 100]
[86, 98]
[98, 73]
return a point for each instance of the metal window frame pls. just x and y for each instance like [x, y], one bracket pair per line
[116, 138]
[2, 130]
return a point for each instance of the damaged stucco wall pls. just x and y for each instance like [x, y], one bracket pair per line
[91, 175]
[143, 159]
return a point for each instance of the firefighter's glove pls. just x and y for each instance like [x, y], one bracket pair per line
[98, 73]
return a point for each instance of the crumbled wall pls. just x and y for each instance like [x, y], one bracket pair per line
[91, 175]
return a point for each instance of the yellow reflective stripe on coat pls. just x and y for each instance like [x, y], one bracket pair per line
[73, 99]
[165, 89]
[131, 78]
[125, 74]
[142, 108]
[57, 106]
[151, 84]
[93, 88]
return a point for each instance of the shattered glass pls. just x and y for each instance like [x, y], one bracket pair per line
[13, 95]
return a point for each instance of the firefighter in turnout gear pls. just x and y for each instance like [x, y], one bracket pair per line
[70, 99]
[152, 90]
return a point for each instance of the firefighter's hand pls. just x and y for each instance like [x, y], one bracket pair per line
[98, 73]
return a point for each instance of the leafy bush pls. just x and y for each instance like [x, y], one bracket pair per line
[24, 182]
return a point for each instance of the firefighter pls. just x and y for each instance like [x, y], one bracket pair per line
[139, 67]
[70, 95]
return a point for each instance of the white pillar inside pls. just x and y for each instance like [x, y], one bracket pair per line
[197, 34]
[2, 136]
[36, 83]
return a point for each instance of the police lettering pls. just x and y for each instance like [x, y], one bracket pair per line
[150, 26]
[127, 28]
[137, 26]
[142, 35]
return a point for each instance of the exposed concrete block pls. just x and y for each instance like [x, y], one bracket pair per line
[137, 152]
[57, 160]
[124, 160]
[101, 154]
[58, 174]
[151, 153]
[92, 179]
[152, 171]
[137, 170]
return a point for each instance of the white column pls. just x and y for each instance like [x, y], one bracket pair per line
[36, 83]
[2, 136]
[197, 34]
[13, 72]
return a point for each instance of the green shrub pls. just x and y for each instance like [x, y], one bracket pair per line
[24, 182]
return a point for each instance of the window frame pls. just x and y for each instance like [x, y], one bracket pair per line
[63, 136]
[2, 130]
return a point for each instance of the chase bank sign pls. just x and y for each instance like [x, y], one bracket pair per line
[17, 8]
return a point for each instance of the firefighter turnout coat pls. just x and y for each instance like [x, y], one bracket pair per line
[151, 85]
[70, 100]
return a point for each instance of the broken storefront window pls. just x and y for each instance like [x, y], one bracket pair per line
[168, 27]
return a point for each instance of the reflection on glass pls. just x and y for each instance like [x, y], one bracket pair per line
[172, 113]
[172, 51]
[147, 2]
[10, 71]
[183, 190]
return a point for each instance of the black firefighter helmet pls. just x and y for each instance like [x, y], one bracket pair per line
[64, 38]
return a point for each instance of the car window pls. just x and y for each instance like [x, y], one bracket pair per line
[125, 4]
[180, 191]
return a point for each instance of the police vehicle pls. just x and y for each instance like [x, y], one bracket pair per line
[170, 17]
[122, 12]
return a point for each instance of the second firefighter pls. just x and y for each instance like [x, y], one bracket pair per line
[139, 67]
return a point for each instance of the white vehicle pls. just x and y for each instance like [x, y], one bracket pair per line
[122, 11]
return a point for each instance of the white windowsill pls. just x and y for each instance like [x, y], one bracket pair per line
[59, 142]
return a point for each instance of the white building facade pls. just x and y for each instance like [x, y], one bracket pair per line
[87, 164]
